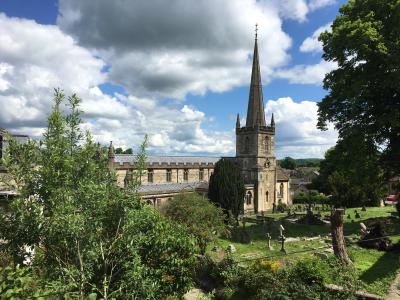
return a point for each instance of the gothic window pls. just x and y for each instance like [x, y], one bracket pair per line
[169, 175]
[248, 198]
[201, 174]
[247, 145]
[281, 190]
[150, 175]
[186, 174]
[267, 144]
[266, 197]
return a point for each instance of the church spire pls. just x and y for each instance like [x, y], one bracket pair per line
[255, 109]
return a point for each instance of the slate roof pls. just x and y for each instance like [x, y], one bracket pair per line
[167, 187]
[170, 160]
[281, 175]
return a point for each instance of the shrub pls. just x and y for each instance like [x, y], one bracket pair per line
[304, 279]
[201, 217]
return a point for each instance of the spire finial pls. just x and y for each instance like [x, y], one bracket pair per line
[111, 154]
[256, 30]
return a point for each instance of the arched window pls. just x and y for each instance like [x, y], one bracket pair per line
[281, 190]
[247, 145]
[266, 196]
[150, 175]
[267, 144]
[248, 198]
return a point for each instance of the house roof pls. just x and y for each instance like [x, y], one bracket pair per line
[170, 160]
[281, 175]
[167, 187]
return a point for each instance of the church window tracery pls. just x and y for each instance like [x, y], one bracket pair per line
[150, 174]
[169, 175]
[281, 190]
[248, 198]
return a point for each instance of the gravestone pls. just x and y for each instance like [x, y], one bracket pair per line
[230, 249]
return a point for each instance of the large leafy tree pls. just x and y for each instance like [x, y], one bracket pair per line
[351, 173]
[364, 91]
[202, 218]
[226, 187]
[288, 163]
[89, 235]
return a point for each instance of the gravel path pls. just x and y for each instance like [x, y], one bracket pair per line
[394, 290]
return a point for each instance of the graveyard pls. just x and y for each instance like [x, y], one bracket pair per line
[376, 270]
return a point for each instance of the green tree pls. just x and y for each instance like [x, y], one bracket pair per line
[351, 173]
[288, 163]
[118, 150]
[226, 187]
[89, 235]
[128, 151]
[364, 92]
[202, 218]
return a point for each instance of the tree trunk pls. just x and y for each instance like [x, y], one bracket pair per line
[338, 244]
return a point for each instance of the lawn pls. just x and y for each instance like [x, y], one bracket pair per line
[376, 270]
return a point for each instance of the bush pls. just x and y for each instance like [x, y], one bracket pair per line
[201, 217]
[304, 279]
[281, 207]
[312, 197]
[398, 207]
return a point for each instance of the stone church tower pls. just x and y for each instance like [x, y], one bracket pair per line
[255, 153]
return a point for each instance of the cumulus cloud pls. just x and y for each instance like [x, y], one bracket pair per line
[311, 44]
[26, 83]
[316, 4]
[167, 49]
[296, 131]
[35, 59]
[307, 74]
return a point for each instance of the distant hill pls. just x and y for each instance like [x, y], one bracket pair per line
[305, 162]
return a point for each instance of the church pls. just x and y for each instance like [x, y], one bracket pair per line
[266, 184]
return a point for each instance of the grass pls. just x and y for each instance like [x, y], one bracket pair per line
[376, 270]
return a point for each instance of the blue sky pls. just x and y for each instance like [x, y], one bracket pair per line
[178, 73]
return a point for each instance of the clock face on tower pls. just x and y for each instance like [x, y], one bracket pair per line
[267, 163]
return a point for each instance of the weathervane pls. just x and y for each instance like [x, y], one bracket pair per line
[256, 29]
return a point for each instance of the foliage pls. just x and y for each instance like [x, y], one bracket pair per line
[313, 196]
[364, 96]
[119, 150]
[201, 217]
[281, 207]
[89, 235]
[226, 187]
[304, 279]
[351, 173]
[304, 162]
[398, 207]
[288, 163]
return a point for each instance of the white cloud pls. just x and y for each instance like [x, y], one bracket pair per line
[293, 9]
[311, 44]
[34, 59]
[316, 4]
[307, 74]
[296, 129]
[160, 49]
